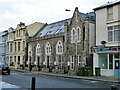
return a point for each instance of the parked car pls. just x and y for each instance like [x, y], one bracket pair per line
[4, 69]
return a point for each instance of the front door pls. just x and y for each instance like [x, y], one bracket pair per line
[38, 63]
[29, 60]
[117, 68]
[74, 61]
[47, 61]
[59, 61]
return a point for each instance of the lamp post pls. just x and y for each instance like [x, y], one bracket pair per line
[76, 41]
[118, 67]
[29, 60]
[75, 37]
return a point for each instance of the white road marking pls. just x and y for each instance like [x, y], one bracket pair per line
[93, 81]
[7, 85]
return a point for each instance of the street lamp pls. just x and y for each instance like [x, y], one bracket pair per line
[67, 10]
[76, 41]
[75, 35]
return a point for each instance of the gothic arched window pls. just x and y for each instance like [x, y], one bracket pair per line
[78, 34]
[73, 35]
[38, 49]
[59, 47]
[48, 48]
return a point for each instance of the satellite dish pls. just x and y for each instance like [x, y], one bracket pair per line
[103, 42]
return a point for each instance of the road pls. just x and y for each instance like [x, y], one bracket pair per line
[23, 80]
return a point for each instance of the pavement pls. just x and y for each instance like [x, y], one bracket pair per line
[7, 85]
[93, 78]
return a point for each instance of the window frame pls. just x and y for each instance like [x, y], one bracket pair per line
[73, 33]
[59, 47]
[78, 34]
[48, 48]
[110, 30]
[38, 50]
[113, 33]
[110, 13]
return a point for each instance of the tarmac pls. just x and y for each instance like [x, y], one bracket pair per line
[93, 78]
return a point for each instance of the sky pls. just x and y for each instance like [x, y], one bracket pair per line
[12, 12]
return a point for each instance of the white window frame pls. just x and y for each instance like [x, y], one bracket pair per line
[110, 30]
[110, 13]
[116, 29]
[38, 53]
[48, 49]
[78, 34]
[38, 50]
[72, 61]
[60, 49]
[79, 60]
[73, 35]
[113, 33]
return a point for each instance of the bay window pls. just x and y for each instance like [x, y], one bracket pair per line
[114, 33]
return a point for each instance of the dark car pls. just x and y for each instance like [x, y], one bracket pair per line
[4, 69]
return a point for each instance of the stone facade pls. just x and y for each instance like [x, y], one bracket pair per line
[10, 46]
[19, 45]
[3, 47]
[61, 49]
[21, 35]
[53, 40]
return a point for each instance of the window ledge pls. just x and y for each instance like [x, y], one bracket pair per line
[112, 42]
[111, 21]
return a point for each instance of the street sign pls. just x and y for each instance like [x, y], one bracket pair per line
[30, 50]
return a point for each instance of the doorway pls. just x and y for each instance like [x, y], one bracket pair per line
[38, 61]
[18, 60]
[117, 67]
[60, 61]
[47, 61]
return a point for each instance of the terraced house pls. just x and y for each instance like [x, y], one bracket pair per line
[22, 33]
[10, 46]
[19, 45]
[3, 47]
[65, 43]
[107, 50]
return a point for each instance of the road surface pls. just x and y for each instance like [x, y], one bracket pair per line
[23, 80]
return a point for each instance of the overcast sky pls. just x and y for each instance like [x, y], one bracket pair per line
[46, 11]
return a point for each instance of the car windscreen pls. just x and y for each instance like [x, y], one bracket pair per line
[3, 65]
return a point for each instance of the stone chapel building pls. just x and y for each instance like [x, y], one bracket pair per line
[64, 43]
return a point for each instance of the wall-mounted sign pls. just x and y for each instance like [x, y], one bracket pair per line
[106, 50]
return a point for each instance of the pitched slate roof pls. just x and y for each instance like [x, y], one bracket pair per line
[107, 4]
[58, 27]
[91, 16]
[4, 33]
[53, 28]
